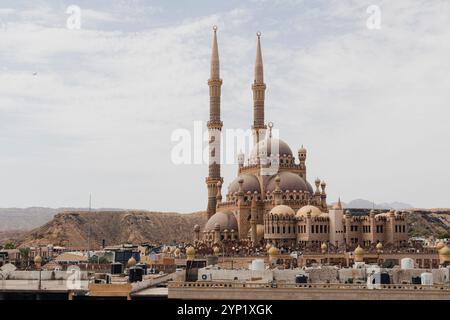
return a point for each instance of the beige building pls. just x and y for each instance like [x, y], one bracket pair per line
[271, 199]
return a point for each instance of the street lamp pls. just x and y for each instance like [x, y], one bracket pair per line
[37, 263]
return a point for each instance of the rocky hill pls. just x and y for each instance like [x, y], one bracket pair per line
[25, 218]
[76, 229]
[366, 204]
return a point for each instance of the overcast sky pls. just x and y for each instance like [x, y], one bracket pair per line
[92, 110]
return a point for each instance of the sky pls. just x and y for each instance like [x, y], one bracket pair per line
[92, 110]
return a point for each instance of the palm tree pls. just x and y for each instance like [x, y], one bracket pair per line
[24, 257]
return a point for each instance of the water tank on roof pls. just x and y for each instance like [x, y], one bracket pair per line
[116, 268]
[301, 278]
[258, 265]
[416, 280]
[135, 274]
[426, 278]
[143, 266]
[407, 263]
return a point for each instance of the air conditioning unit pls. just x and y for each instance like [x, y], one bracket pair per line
[205, 277]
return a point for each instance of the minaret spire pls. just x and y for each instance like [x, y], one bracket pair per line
[214, 129]
[215, 67]
[259, 88]
[259, 70]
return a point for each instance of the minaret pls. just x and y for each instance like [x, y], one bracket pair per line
[214, 129]
[253, 217]
[259, 88]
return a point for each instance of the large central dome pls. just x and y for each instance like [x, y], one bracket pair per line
[268, 144]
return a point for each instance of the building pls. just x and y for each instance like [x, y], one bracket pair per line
[271, 200]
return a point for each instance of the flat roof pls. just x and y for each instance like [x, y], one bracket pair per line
[32, 285]
[153, 292]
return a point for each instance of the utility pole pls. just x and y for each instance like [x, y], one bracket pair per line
[89, 228]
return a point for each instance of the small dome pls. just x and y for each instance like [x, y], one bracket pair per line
[444, 251]
[196, 227]
[288, 181]
[379, 246]
[283, 148]
[303, 211]
[440, 245]
[225, 220]
[37, 259]
[190, 251]
[359, 254]
[131, 262]
[250, 183]
[216, 249]
[282, 210]
[273, 251]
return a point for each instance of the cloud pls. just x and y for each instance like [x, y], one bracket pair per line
[98, 115]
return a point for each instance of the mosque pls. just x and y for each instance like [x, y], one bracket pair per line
[271, 199]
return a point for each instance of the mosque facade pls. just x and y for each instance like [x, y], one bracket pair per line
[271, 199]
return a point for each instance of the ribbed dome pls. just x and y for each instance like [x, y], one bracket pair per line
[131, 262]
[282, 210]
[288, 181]
[283, 147]
[225, 220]
[303, 211]
[251, 183]
[273, 251]
[440, 245]
[358, 251]
[444, 251]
